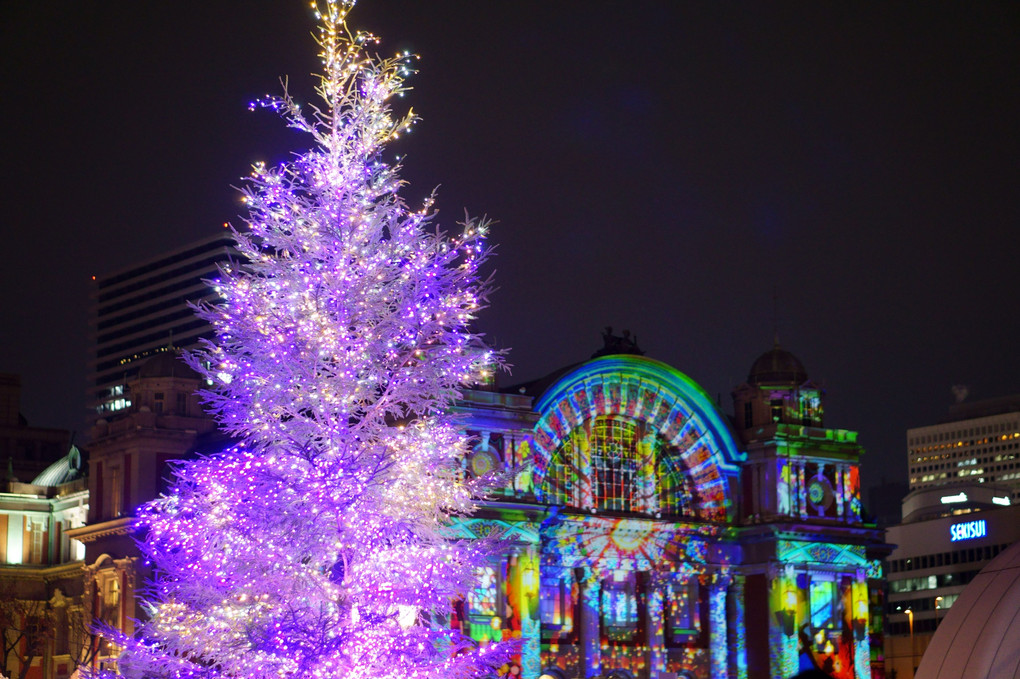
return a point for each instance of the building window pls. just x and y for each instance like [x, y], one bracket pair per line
[556, 605]
[110, 613]
[748, 415]
[36, 543]
[116, 489]
[613, 463]
[681, 614]
[157, 404]
[562, 483]
[810, 407]
[619, 606]
[675, 493]
[619, 464]
[823, 604]
[483, 600]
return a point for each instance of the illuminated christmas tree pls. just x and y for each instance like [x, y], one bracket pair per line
[315, 547]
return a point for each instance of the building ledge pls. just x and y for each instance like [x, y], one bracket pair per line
[40, 571]
[94, 531]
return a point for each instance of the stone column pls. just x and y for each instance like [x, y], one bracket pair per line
[738, 631]
[525, 578]
[860, 619]
[801, 491]
[654, 631]
[590, 642]
[840, 477]
[782, 621]
[130, 611]
[718, 637]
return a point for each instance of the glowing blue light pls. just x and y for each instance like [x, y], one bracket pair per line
[969, 530]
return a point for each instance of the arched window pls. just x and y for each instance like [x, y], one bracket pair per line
[563, 483]
[614, 463]
[483, 598]
[676, 496]
[619, 464]
[556, 603]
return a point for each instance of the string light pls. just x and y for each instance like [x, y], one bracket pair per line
[315, 546]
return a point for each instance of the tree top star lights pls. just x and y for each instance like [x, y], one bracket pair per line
[315, 546]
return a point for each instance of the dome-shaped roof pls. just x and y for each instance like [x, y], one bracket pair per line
[777, 366]
[980, 635]
[64, 470]
[167, 364]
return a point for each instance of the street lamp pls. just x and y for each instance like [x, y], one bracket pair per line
[910, 619]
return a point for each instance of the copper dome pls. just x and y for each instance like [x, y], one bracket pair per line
[167, 364]
[777, 366]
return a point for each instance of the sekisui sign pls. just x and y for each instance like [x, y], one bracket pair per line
[968, 530]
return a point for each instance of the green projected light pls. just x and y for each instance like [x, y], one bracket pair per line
[649, 414]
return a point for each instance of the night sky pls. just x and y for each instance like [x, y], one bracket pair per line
[664, 167]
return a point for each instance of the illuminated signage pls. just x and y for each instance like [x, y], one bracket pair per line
[949, 499]
[1001, 500]
[968, 530]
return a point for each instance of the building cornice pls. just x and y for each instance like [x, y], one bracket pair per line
[44, 573]
[94, 531]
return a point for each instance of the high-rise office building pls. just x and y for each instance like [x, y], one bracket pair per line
[947, 536]
[143, 310]
[960, 513]
[978, 442]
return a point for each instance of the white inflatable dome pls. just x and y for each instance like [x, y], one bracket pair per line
[980, 636]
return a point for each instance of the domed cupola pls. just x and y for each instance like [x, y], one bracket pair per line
[167, 364]
[166, 385]
[777, 366]
[777, 391]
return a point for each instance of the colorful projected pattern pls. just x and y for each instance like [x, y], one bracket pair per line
[681, 602]
[823, 601]
[852, 491]
[634, 544]
[619, 464]
[643, 390]
[791, 551]
[788, 607]
[522, 532]
[717, 621]
[739, 650]
[556, 597]
[821, 617]
[784, 487]
[483, 597]
[655, 592]
[619, 606]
